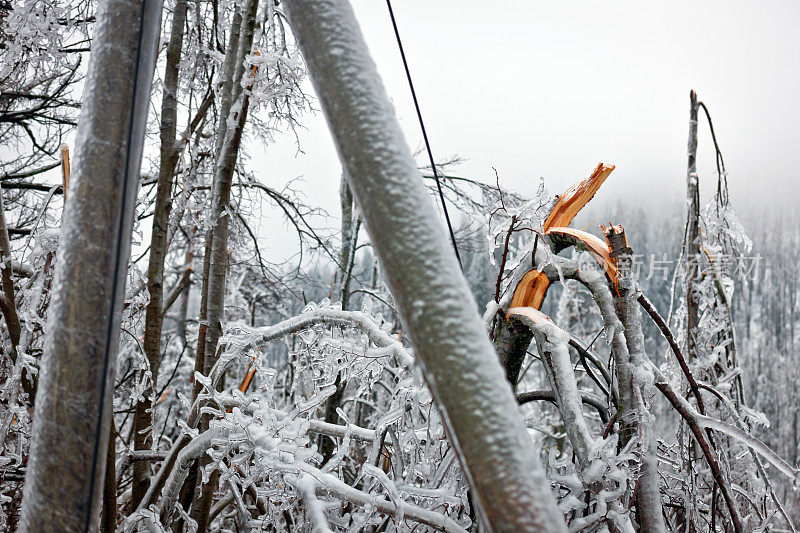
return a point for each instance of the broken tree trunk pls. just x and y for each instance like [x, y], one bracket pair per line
[649, 510]
[692, 239]
[422, 271]
[349, 236]
[64, 483]
[511, 341]
[571, 202]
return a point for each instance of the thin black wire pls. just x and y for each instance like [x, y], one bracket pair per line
[424, 132]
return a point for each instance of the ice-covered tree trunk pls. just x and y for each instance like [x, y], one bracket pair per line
[635, 418]
[435, 303]
[226, 94]
[223, 179]
[349, 238]
[183, 300]
[216, 259]
[9, 308]
[143, 436]
[692, 244]
[649, 510]
[65, 475]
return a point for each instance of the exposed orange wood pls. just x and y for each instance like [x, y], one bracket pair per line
[531, 290]
[251, 371]
[708, 254]
[616, 239]
[164, 396]
[253, 70]
[65, 167]
[572, 201]
[593, 245]
[248, 378]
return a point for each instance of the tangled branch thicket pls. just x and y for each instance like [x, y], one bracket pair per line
[262, 396]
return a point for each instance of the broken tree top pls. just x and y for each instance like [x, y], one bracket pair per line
[532, 288]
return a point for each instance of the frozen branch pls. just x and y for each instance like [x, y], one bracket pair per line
[553, 345]
[549, 396]
[691, 416]
[377, 336]
[648, 306]
[315, 511]
[193, 450]
[176, 291]
[329, 484]
[336, 430]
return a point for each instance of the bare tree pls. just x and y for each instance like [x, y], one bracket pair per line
[154, 317]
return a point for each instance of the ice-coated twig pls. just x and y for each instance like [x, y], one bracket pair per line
[338, 430]
[172, 486]
[553, 345]
[219, 507]
[648, 306]
[315, 511]
[327, 483]
[323, 316]
[739, 422]
[690, 415]
[717, 425]
[548, 395]
[237, 497]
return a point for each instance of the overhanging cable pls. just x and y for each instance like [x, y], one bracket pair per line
[424, 132]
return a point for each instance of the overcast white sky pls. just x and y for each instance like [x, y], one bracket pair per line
[550, 89]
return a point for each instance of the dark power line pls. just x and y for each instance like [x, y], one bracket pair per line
[424, 132]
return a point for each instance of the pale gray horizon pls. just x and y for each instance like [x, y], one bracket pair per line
[549, 89]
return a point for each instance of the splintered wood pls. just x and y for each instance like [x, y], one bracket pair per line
[571, 202]
[65, 167]
[593, 244]
[532, 288]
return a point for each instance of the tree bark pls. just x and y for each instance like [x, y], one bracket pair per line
[223, 179]
[217, 246]
[692, 244]
[511, 341]
[64, 482]
[349, 238]
[183, 300]
[9, 308]
[143, 419]
[437, 308]
[109, 515]
[327, 446]
[649, 510]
